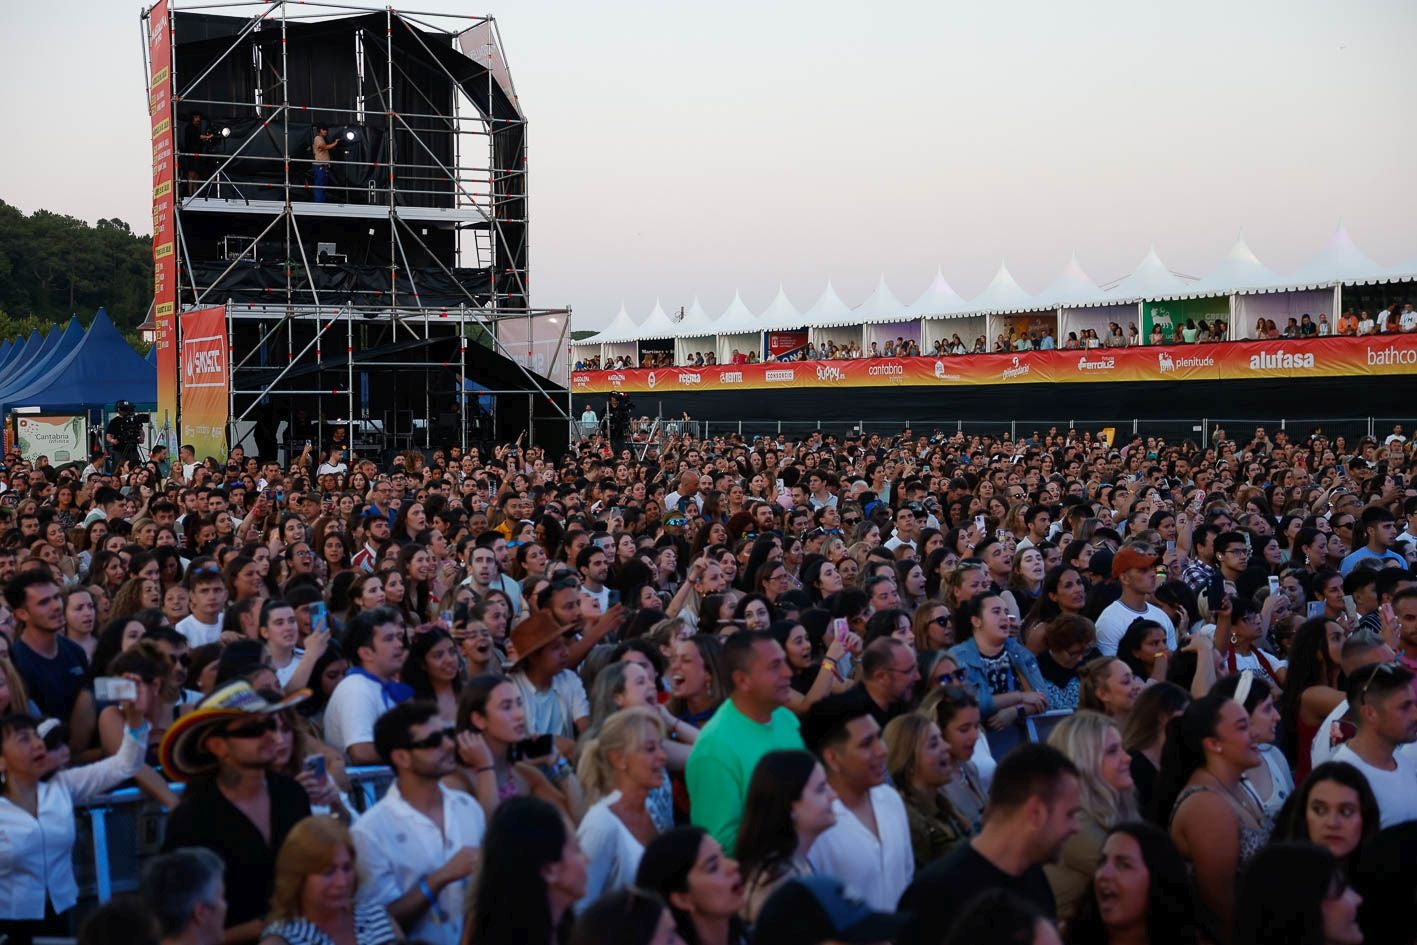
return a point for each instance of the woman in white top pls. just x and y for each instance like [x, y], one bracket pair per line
[1270, 782]
[37, 887]
[619, 768]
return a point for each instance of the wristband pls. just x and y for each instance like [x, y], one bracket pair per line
[427, 891]
[484, 769]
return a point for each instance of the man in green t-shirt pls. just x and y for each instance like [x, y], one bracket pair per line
[754, 721]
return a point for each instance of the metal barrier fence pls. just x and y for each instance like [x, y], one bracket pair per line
[116, 832]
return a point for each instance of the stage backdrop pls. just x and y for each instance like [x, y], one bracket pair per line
[164, 215]
[1245, 360]
[206, 381]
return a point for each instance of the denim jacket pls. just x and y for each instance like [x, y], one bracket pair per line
[1025, 664]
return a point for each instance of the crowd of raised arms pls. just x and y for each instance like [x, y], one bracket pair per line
[920, 689]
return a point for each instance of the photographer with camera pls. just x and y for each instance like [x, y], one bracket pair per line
[123, 435]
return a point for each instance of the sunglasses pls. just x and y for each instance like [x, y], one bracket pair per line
[851, 520]
[956, 677]
[941, 621]
[432, 741]
[253, 729]
[676, 522]
[1378, 669]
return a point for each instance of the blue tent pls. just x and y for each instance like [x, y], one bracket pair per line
[100, 370]
[27, 350]
[64, 342]
[151, 356]
[6, 349]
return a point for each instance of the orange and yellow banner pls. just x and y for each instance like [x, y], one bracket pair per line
[206, 382]
[164, 215]
[1242, 360]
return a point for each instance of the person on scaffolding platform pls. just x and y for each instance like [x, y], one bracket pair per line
[196, 140]
[322, 146]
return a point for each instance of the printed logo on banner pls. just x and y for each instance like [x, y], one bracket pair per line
[616, 379]
[731, 377]
[1098, 364]
[781, 377]
[830, 373]
[1390, 356]
[942, 375]
[582, 380]
[651, 380]
[205, 366]
[1018, 369]
[1167, 364]
[688, 378]
[1281, 360]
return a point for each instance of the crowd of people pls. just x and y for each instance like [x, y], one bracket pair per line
[920, 689]
[1039, 335]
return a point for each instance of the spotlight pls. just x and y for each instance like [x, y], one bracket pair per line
[226, 132]
[349, 136]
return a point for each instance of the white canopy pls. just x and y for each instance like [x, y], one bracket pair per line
[1002, 294]
[1240, 269]
[1073, 288]
[1340, 260]
[881, 305]
[621, 328]
[736, 319]
[1150, 280]
[938, 298]
[657, 325]
[780, 313]
[695, 322]
[829, 310]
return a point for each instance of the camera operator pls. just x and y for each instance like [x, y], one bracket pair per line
[618, 412]
[123, 435]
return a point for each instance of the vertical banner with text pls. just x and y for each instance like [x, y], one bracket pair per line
[164, 216]
[206, 384]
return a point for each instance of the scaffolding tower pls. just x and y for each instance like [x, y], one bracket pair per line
[357, 282]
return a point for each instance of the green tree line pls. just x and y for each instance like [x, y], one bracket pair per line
[53, 265]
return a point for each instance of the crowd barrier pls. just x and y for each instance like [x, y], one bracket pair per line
[116, 832]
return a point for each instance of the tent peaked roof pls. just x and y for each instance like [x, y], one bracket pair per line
[7, 348]
[1340, 260]
[737, 319]
[828, 310]
[28, 351]
[657, 325]
[1002, 294]
[1240, 269]
[696, 322]
[938, 298]
[1150, 280]
[881, 305]
[621, 328]
[101, 369]
[780, 313]
[63, 343]
[151, 356]
[1072, 287]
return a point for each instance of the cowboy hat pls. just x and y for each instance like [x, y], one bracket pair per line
[183, 753]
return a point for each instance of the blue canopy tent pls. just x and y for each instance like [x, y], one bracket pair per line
[6, 349]
[65, 342]
[100, 370]
[151, 356]
[25, 353]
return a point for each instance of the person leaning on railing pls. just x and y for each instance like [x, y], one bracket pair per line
[37, 886]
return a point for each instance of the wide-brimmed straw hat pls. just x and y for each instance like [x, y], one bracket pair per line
[183, 753]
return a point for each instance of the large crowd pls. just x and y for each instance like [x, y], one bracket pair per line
[920, 689]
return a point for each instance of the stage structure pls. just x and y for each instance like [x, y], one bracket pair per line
[360, 280]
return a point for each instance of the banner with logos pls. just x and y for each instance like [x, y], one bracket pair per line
[206, 382]
[63, 438]
[164, 213]
[1244, 360]
[783, 343]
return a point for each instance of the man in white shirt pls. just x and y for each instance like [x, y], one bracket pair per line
[687, 488]
[869, 847]
[907, 526]
[1384, 711]
[1038, 518]
[418, 846]
[594, 566]
[1359, 650]
[1408, 322]
[1136, 571]
[207, 600]
[373, 642]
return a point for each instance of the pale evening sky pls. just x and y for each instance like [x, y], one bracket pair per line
[680, 150]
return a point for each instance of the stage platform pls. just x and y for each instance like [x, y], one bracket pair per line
[347, 211]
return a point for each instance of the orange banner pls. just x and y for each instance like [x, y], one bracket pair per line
[206, 382]
[1242, 360]
[164, 216]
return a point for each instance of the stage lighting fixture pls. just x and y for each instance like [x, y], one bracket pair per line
[349, 136]
[226, 132]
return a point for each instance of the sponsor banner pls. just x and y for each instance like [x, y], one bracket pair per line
[782, 343]
[63, 438]
[205, 381]
[164, 210]
[1244, 360]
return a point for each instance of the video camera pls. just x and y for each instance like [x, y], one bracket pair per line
[126, 408]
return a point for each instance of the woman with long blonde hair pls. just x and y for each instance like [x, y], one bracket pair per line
[619, 768]
[313, 900]
[1093, 742]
